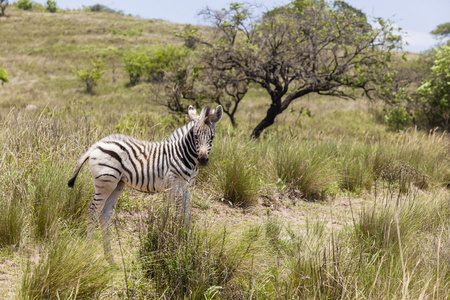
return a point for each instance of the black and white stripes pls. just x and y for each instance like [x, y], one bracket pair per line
[172, 164]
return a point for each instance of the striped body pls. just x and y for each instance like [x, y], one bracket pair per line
[172, 164]
[144, 166]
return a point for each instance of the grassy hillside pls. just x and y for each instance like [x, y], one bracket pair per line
[327, 206]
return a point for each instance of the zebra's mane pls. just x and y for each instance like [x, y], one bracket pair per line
[180, 132]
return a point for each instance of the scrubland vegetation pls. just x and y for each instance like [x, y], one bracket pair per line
[330, 202]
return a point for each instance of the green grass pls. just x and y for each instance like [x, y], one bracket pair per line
[71, 268]
[12, 222]
[234, 176]
[54, 203]
[188, 264]
[305, 166]
[380, 231]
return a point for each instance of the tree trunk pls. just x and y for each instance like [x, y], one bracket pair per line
[276, 108]
[272, 113]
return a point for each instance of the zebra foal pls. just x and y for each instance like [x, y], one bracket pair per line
[118, 160]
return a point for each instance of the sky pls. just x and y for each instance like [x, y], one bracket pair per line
[416, 17]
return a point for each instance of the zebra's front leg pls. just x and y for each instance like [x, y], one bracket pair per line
[179, 195]
[186, 208]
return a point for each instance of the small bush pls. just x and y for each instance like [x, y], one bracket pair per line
[91, 77]
[189, 36]
[51, 6]
[153, 63]
[136, 65]
[3, 76]
[165, 59]
[398, 118]
[25, 4]
[101, 7]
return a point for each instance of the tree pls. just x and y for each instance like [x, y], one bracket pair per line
[433, 96]
[24, 4]
[179, 90]
[91, 77]
[202, 78]
[225, 87]
[301, 48]
[442, 31]
[3, 5]
[51, 6]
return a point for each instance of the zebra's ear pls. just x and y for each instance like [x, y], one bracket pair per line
[218, 113]
[192, 112]
[205, 112]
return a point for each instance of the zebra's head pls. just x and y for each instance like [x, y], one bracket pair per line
[204, 130]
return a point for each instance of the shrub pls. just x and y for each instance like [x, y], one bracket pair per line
[397, 118]
[153, 63]
[432, 97]
[3, 76]
[136, 65]
[92, 76]
[165, 59]
[101, 7]
[24, 4]
[189, 36]
[51, 6]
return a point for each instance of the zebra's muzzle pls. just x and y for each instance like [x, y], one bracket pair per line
[203, 159]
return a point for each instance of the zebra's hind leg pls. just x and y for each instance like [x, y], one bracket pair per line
[105, 219]
[102, 193]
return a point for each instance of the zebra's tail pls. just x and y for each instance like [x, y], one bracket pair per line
[80, 163]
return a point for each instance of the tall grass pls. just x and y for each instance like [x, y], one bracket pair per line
[188, 264]
[355, 167]
[401, 238]
[385, 253]
[71, 268]
[271, 259]
[12, 222]
[13, 203]
[307, 167]
[232, 172]
[54, 202]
